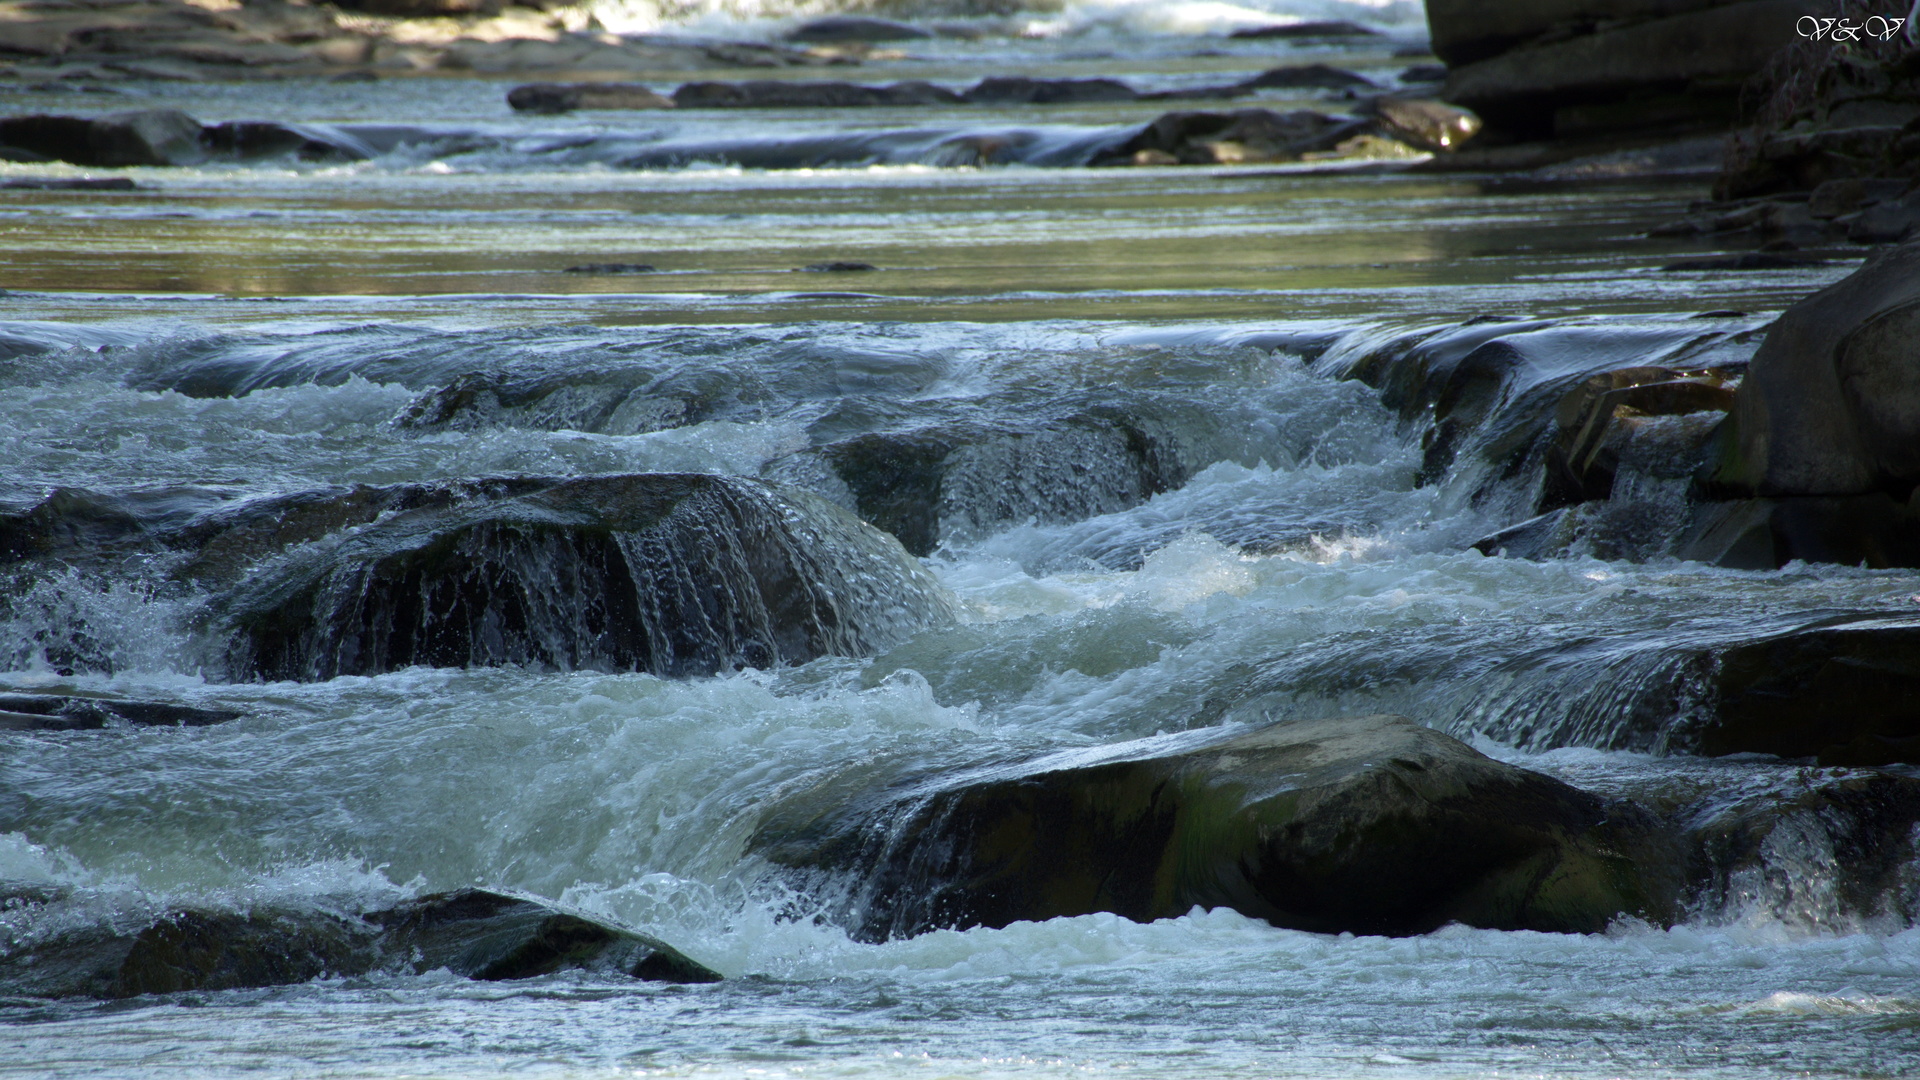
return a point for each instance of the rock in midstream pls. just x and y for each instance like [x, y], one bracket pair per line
[60, 712]
[1372, 825]
[477, 934]
[961, 479]
[673, 574]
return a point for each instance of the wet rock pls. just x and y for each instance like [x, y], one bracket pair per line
[1020, 90]
[961, 480]
[1373, 825]
[776, 94]
[477, 934]
[838, 267]
[1685, 66]
[1295, 76]
[1831, 404]
[674, 574]
[1886, 222]
[53, 712]
[1834, 855]
[1429, 125]
[566, 97]
[1424, 73]
[487, 936]
[1837, 197]
[1325, 28]
[1843, 695]
[1764, 534]
[1245, 135]
[144, 137]
[835, 28]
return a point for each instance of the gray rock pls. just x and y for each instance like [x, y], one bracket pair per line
[1831, 404]
[1429, 125]
[1373, 825]
[1020, 90]
[144, 137]
[1836, 197]
[777, 94]
[477, 934]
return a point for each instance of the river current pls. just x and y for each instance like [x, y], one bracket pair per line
[231, 331]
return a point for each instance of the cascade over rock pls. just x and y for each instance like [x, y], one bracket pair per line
[674, 574]
[1373, 825]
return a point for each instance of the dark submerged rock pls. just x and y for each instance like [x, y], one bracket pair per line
[104, 183]
[612, 268]
[249, 140]
[1372, 825]
[674, 574]
[1748, 260]
[478, 934]
[143, 137]
[837, 267]
[51, 712]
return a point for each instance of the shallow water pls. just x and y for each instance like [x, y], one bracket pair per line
[236, 331]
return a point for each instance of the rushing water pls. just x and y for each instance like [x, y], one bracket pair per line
[236, 331]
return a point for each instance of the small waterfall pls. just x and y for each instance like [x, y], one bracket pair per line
[674, 574]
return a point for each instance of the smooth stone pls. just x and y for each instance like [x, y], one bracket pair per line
[1368, 825]
[1244, 135]
[1429, 125]
[779, 94]
[839, 267]
[1831, 404]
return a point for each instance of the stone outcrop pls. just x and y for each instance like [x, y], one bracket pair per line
[1585, 67]
[674, 574]
[473, 933]
[1372, 825]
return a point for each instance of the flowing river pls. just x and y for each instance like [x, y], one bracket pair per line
[231, 332]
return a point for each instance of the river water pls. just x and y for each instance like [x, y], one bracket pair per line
[231, 331]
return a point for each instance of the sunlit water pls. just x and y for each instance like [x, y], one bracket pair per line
[1301, 552]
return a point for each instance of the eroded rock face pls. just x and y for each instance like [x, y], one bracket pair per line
[674, 574]
[1370, 824]
[1831, 404]
[477, 934]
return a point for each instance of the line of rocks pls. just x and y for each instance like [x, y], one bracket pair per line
[994, 90]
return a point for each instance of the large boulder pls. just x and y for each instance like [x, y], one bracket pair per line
[1831, 404]
[674, 574]
[473, 933]
[1372, 825]
[1623, 69]
[142, 137]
